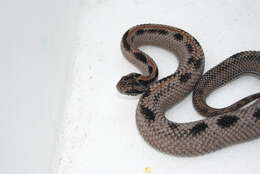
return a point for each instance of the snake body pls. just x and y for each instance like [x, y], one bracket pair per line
[221, 127]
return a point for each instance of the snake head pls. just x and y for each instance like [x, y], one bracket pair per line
[129, 85]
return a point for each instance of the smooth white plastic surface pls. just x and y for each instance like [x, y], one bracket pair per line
[36, 45]
[99, 132]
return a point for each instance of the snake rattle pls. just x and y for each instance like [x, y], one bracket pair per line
[222, 127]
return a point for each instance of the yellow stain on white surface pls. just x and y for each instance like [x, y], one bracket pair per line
[148, 170]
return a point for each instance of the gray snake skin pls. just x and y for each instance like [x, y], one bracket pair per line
[223, 127]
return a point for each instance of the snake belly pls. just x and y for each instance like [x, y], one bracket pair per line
[221, 127]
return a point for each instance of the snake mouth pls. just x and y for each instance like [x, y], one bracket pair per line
[127, 88]
[119, 86]
[133, 92]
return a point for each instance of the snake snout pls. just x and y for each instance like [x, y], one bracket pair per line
[129, 85]
[120, 86]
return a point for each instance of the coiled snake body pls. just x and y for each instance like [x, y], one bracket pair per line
[221, 127]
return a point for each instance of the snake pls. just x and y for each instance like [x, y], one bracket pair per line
[219, 127]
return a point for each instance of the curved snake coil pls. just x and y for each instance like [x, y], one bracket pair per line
[221, 127]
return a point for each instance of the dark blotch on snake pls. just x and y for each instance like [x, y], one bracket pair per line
[227, 121]
[235, 56]
[199, 92]
[204, 110]
[172, 125]
[132, 75]
[150, 68]
[144, 82]
[140, 32]
[151, 31]
[247, 100]
[178, 36]
[196, 62]
[140, 57]
[125, 43]
[257, 114]
[189, 47]
[191, 60]
[132, 39]
[162, 32]
[146, 93]
[198, 128]
[163, 79]
[185, 77]
[134, 91]
[148, 114]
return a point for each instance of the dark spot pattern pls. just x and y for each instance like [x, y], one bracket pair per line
[257, 114]
[134, 91]
[155, 31]
[204, 110]
[247, 100]
[163, 32]
[145, 82]
[146, 93]
[132, 39]
[172, 125]
[227, 121]
[198, 128]
[215, 113]
[185, 77]
[199, 92]
[134, 83]
[240, 104]
[235, 56]
[178, 36]
[163, 79]
[189, 47]
[196, 62]
[131, 76]
[140, 32]
[148, 114]
[176, 132]
[169, 77]
[158, 31]
[191, 60]
[150, 68]
[156, 98]
[125, 43]
[151, 31]
[140, 57]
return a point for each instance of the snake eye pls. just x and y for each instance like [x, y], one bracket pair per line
[124, 78]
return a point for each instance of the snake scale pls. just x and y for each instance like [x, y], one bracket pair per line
[220, 128]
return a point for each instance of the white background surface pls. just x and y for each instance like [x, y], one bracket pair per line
[99, 132]
[38, 44]
[36, 58]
